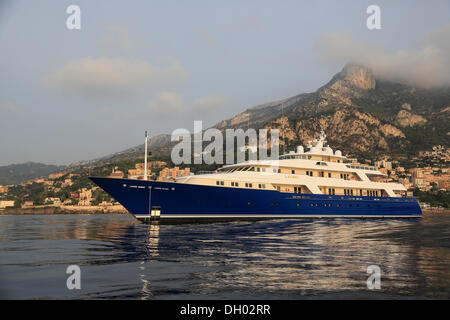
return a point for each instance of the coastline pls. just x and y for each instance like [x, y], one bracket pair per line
[46, 210]
[115, 209]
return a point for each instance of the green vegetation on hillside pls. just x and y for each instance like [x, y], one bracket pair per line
[17, 173]
[435, 199]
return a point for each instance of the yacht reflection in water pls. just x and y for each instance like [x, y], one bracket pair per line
[122, 258]
[291, 259]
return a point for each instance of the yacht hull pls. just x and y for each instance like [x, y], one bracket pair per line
[188, 201]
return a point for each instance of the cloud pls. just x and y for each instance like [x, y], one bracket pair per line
[426, 66]
[208, 104]
[8, 107]
[171, 103]
[167, 102]
[114, 76]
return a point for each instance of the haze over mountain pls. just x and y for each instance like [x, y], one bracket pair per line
[361, 114]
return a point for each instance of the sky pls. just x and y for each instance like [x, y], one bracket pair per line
[71, 95]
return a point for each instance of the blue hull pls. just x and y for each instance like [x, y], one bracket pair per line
[181, 201]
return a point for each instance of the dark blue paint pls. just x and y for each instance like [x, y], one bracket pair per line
[190, 199]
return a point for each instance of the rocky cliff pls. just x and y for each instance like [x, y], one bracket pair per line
[361, 115]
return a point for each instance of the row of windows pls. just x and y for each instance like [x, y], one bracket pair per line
[338, 205]
[359, 167]
[236, 184]
[348, 192]
[293, 171]
[345, 176]
[303, 157]
[370, 193]
[328, 205]
[331, 191]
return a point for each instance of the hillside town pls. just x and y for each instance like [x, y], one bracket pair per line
[74, 192]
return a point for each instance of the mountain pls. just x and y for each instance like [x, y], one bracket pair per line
[360, 114]
[17, 173]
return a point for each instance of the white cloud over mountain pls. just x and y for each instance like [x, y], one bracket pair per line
[115, 76]
[428, 65]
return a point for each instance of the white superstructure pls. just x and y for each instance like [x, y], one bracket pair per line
[318, 170]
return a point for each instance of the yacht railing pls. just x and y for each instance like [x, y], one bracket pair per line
[204, 172]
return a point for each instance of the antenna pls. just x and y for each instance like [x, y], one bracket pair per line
[282, 127]
[145, 157]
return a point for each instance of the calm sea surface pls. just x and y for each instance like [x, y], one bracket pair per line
[120, 258]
